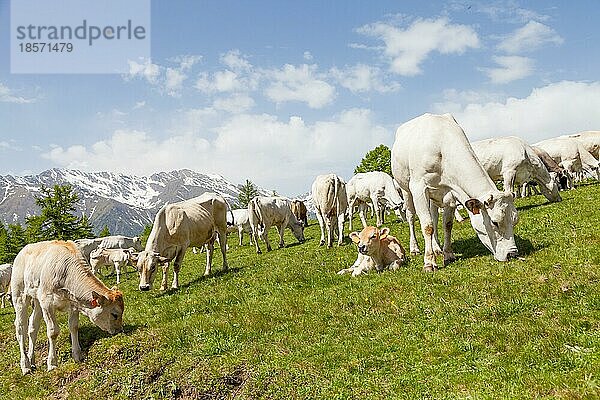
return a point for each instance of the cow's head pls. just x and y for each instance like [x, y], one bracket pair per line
[369, 240]
[550, 190]
[147, 265]
[106, 312]
[493, 221]
[297, 228]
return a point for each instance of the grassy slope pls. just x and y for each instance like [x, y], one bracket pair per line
[284, 325]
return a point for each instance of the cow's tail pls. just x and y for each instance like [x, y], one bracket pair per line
[255, 210]
[336, 200]
[230, 211]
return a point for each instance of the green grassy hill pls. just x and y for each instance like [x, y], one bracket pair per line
[284, 325]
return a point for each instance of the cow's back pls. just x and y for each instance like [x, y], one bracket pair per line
[328, 191]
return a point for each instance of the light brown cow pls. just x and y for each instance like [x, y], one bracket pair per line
[5, 272]
[299, 211]
[119, 258]
[54, 276]
[377, 249]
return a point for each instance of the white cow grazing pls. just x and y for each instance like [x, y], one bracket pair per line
[178, 226]
[86, 246]
[53, 276]
[241, 223]
[5, 272]
[376, 188]
[111, 257]
[571, 155]
[590, 140]
[264, 212]
[331, 202]
[435, 166]
[511, 160]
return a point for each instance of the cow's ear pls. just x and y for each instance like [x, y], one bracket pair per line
[97, 299]
[354, 237]
[473, 205]
[489, 203]
[383, 233]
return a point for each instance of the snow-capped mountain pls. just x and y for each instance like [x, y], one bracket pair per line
[125, 203]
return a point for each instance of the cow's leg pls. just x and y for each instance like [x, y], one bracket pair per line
[330, 232]
[223, 239]
[74, 331]
[448, 220]
[410, 218]
[377, 209]
[280, 229]
[509, 180]
[210, 248]
[265, 236]
[165, 271]
[322, 226]
[35, 320]
[20, 303]
[177, 266]
[118, 271]
[435, 215]
[241, 234]
[421, 204]
[362, 208]
[340, 220]
[52, 331]
[256, 236]
[351, 213]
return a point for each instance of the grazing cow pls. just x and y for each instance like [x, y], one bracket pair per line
[571, 155]
[53, 276]
[435, 166]
[177, 226]
[376, 188]
[590, 140]
[331, 202]
[5, 272]
[377, 249]
[513, 161]
[264, 212]
[86, 246]
[299, 211]
[240, 223]
[111, 257]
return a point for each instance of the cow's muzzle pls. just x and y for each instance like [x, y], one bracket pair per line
[144, 288]
[362, 249]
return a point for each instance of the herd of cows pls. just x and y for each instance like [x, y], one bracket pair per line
[434, 167]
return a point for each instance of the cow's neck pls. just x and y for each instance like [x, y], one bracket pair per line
[468, 180]
[80, 282]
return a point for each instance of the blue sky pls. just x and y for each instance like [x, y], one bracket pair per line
[278, 92]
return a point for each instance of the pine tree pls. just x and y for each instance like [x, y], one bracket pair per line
[16, 241]
[247, 192]
[104, 232]
[57, 220]
[3, 244]
[378, 159]
[144, 235]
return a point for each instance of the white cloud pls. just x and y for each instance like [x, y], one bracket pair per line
[226, 81]
[145, 69]
[299, 83]
[234, 60]
[139, 104]
[363, 78]
[236, 104]
[511, 68]
[8, 96]
[307, 56]
[529, 37]
[548, 111]
[407, 48]
[187, 61]
[174, 81]
[281, 154]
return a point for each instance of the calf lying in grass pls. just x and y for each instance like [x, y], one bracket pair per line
[377, 249]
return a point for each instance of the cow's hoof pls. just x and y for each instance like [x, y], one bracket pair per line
[449, 259]
[415, 252]
[321, 243]
[163, 288]
[430, 268]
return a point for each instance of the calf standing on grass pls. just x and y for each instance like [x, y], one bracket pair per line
[377, 249]
[54, 276]
[111, 257]
[5, 272]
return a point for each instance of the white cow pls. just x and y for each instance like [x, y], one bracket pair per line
[376, 188]
[590, 140]
[5, 273]
[331, 202]
[111, 257]
[86, 246]
[53, 276]
[264, 212]
[240, 223]
[435, 166]
[511, 160]
[178, 226]
[571, 155]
